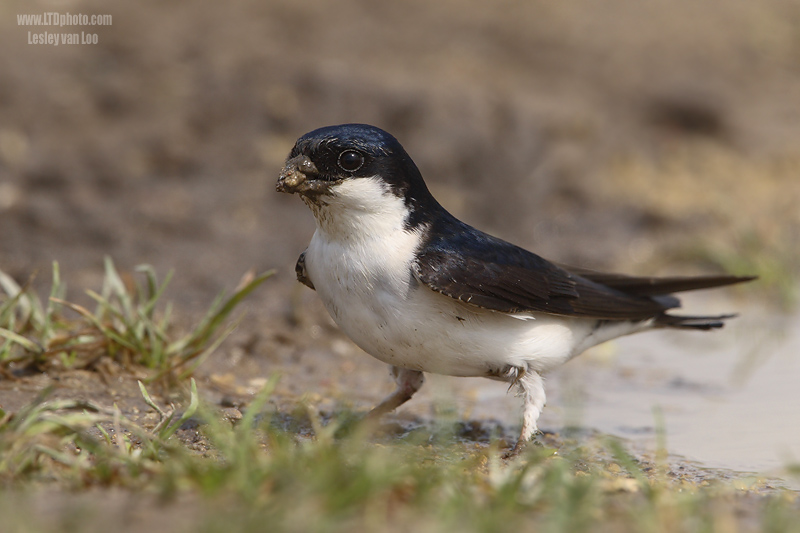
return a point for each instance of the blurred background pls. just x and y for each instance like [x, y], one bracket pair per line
[646, 137]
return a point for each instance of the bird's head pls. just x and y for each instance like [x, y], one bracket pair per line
[357, 156]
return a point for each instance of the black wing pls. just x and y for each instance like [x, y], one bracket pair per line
[464, 263]
[300, 270]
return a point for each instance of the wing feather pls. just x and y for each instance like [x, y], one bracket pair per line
[469, 265]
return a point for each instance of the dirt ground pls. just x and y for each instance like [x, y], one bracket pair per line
[571, 128]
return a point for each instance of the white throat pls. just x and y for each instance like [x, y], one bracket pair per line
[360, 209]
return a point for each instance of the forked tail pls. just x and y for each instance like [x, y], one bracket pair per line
[692, 322]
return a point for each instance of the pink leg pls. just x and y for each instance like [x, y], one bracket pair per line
[408, 382]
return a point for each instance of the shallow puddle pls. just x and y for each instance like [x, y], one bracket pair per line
[727, 399]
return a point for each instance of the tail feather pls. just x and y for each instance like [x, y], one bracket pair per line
[692, 322]
[658, 286]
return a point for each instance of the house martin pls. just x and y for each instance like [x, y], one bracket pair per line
[420, 290]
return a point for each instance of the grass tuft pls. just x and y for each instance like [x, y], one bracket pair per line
[132, 325]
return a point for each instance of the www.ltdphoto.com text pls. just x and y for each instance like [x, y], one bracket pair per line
[52, 18]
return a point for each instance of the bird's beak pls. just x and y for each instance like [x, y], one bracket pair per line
[300, 175]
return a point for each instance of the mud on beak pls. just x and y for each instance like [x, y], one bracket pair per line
[301, 176]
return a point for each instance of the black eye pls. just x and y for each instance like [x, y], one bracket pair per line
[350, 160]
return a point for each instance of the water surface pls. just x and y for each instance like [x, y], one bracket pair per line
[727, 399]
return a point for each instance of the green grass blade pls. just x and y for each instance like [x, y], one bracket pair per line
[197, 358]
[57, 290]
[218, 313]
[17, 301]
[26, 343]
[117, 287]
[194, 401]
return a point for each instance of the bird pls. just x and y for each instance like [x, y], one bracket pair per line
[424, 292]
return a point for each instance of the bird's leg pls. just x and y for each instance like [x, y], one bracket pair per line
[408, 382]
[530, 387]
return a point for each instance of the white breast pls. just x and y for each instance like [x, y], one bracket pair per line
[359, 261]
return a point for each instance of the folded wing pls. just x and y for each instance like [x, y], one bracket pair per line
[469, 265]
